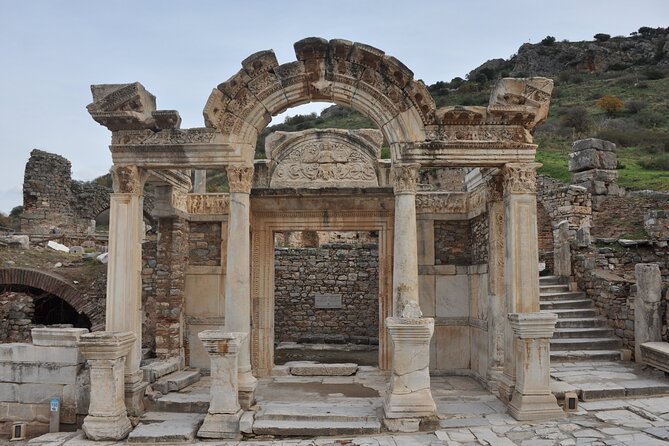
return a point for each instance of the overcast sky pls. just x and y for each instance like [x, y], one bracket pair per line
[52, 51]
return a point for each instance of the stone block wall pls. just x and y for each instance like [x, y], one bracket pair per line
[624, 217]
[452, 242]
[16, 313]
[32, 374]
[346, 269]
[204, 243]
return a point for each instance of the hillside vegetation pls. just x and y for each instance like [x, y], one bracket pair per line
[614, 88]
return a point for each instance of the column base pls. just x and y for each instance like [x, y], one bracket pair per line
[221, 425]
[505, 386]
[134, 398]
[494, 377]
[107, 428]
[411, 405]
[535, 407]
[247, 390]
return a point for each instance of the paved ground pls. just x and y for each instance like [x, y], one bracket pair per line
[469, 415]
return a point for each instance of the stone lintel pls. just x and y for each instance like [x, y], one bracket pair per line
[181, 156]
[175, 178]
[105, 345]
[57, 337]
[533, 325]
[468, 153]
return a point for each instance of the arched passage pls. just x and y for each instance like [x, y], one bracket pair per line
[55, 285]
[350, 74]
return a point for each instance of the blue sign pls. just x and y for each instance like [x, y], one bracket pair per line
[55, 405]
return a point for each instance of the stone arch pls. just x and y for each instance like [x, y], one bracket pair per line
[56, 285]
[350, 74]
[319, 158]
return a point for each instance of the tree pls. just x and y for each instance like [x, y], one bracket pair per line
[577, 118]
[548, 41]
[610, 104]
[601, 37]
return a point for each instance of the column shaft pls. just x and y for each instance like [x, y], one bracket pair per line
[496, 299]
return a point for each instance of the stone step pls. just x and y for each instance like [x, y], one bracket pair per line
[159, 368]
[587, 332]
[562, 344]
[176, 381]
[571, 304]
[585, 355]
[319, 369]
[313, 428]
[582, 322]
[553, 280]
[165, 427]
[553, 288]
[572, 313]
[187, 402]
[563, 295]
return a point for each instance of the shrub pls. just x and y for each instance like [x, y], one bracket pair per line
[653, 73]
[577, 118]
[610, 104]
[601, 37]
[659, 162]
[635, 105]
[649, 118]
[548, 41]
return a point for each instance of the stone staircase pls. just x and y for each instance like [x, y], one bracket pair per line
[580, 334]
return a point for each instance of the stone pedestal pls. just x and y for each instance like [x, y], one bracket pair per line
[521, 257]
[532, 398]
[105, 353]
[405, 258]
[238, 275]
[647, 320]
[124, 282]
[562, 250]
[409, 395]
[222, 420]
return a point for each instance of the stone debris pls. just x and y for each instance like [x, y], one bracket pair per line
[57, 246]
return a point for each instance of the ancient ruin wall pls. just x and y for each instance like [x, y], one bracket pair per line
[301, 273]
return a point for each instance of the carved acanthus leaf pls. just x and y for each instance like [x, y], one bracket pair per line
[128, 179]
[520, 178]
[405, 178]
[240, 177]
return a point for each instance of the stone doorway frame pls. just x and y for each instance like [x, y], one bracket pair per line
[265, 224]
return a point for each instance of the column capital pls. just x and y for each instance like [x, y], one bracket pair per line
[520, 178]
[240, 177]
[533, 325]
[405, 178]
[105, 345]
[217, 342]
[128, 179]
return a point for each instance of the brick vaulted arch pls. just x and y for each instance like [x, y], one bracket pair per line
[352, 74]
[56, 285]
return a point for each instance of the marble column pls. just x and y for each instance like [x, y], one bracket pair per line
[521, 257]
[497, 315]
[105, 353]
[200, 181]
[647, 319]
[238, 275]
[405, 250]
[409, 396]
[222, 420]
[532, 398]
[124, 281]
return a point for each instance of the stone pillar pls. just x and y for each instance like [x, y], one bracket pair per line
[521, 257]
[222, 420]
[405, 250]
[124, 281]
[238, 275]
[496, 302]
[105, 352]
[647, 320]
[562, 250]
[594, 163]
[409, 396]
[532, 398]
[200, 181]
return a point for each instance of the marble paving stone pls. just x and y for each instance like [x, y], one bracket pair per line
[622, 418]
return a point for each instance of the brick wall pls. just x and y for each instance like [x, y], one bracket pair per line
[452, 242]
[204, 243]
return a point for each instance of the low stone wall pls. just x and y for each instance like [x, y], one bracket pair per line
[350, 271]
[33, 374]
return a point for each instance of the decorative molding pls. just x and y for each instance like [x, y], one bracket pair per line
[405, 178]
[520, 178]
[240, 178]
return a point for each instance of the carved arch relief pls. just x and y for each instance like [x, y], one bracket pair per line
[324, 158]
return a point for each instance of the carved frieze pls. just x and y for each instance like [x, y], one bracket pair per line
[497, 133]
[208, 204]
[164, 137]
[405, 178]
[520, 178]
[128, 179]
[240, 177]
[441, 203]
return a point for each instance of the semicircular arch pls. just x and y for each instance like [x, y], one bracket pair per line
[346, 73]
[56, 285]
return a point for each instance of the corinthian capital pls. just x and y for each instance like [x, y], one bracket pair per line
[240, 177]
[128, 179]
[405, 178]
[520, 178]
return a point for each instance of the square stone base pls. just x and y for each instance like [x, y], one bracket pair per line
[221, 425]
[247, 398]
[535, 407]
[107, 428]
[410, 405]
[505, 388]
[134, 398]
